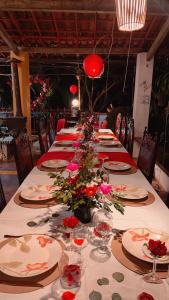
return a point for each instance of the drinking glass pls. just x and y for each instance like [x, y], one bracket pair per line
[79, 238]
[153, 277]
[103, 225]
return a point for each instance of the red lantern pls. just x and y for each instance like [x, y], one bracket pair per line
[73, 89]
[93, 65]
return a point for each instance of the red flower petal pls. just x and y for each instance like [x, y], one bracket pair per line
[68, 296]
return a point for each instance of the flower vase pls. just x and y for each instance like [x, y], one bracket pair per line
[83, 214]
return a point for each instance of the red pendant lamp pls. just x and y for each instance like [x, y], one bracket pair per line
[73, 89]
[93, 66]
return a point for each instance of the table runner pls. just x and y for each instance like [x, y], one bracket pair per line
[55, 155]
[68, 137]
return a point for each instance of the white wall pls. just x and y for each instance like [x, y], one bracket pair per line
[142, 93]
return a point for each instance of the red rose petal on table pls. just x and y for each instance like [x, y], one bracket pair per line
[79, 242]
[68, 296]
[145, 296]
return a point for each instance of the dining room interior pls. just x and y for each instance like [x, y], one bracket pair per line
[84, 150]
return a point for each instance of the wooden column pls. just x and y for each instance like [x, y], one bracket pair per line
[16, 88]
[24, 84]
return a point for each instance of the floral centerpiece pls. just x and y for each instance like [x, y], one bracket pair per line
[83, 188]
[88, 127]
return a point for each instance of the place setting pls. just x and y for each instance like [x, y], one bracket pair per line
[63, 143]
[132, 195]
[53, 165]
[119, 167]
[144, 251]
[37, 196]
[110, 143]
[30, 262]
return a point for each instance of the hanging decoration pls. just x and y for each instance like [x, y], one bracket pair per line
[93, 66]
[73, 89]
[131, 14]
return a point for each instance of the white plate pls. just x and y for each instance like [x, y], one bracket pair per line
[130, 192]
[105, 137]
[110, 143]
[116, 166]
[134, 239]
[63, 143]
[29, 255]
[55, 163]
[38, 192]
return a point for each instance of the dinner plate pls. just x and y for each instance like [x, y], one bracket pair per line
[130, 192]
[110, 143]
[134, 241]
[116, 166]
[29, 255]
[105, 137]
[55, 163]
[38, 192]
[63, 143]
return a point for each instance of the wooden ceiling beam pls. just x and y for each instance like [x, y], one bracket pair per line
[83, 6]
[159, 39]
[7, 39]
[74, 51]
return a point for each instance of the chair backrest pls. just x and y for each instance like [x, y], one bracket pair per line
[60, 124]
[130, 136]
[23, 155]
[118, 124]
[43, 137]
[51, 129]
[103, 124]
[147, 155]
[2, 197]
[123, 130]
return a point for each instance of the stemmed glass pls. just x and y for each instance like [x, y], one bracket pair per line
[103, 225]
[153, 277]
[79, 238]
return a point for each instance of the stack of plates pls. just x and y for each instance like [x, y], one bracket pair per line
[116, 166]
[55, 163]
[38, 193]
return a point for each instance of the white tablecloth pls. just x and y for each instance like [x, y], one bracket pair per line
[14, 218]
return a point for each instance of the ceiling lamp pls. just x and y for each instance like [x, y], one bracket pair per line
[93, 66]
[131, 14]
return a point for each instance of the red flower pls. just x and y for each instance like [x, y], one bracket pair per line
[68, 296]
[73, 180]
[145, 296]
[90, 191]
[157, 247]
[71, 222]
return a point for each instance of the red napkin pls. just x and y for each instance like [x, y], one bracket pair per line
[55, 155]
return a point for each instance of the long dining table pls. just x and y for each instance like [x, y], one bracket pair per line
[14, 221]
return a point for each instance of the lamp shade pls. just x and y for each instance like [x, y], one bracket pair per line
[93, 65]
[131, 14]
[73, 89]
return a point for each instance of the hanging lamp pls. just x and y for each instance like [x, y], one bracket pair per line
[131, 14]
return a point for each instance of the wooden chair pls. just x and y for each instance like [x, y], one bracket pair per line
[147, 155]
[51, 130]
[61, 123]
[2, 197]
[43, 137]
[123, 130]
[130, 136]
[23, 155]
[118, 125]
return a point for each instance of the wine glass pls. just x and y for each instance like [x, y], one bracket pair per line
[153, 277]
[103, 225]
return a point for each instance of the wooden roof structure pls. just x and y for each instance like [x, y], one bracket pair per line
[70, 29]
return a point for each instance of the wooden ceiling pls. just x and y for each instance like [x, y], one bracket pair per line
[70, 29]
